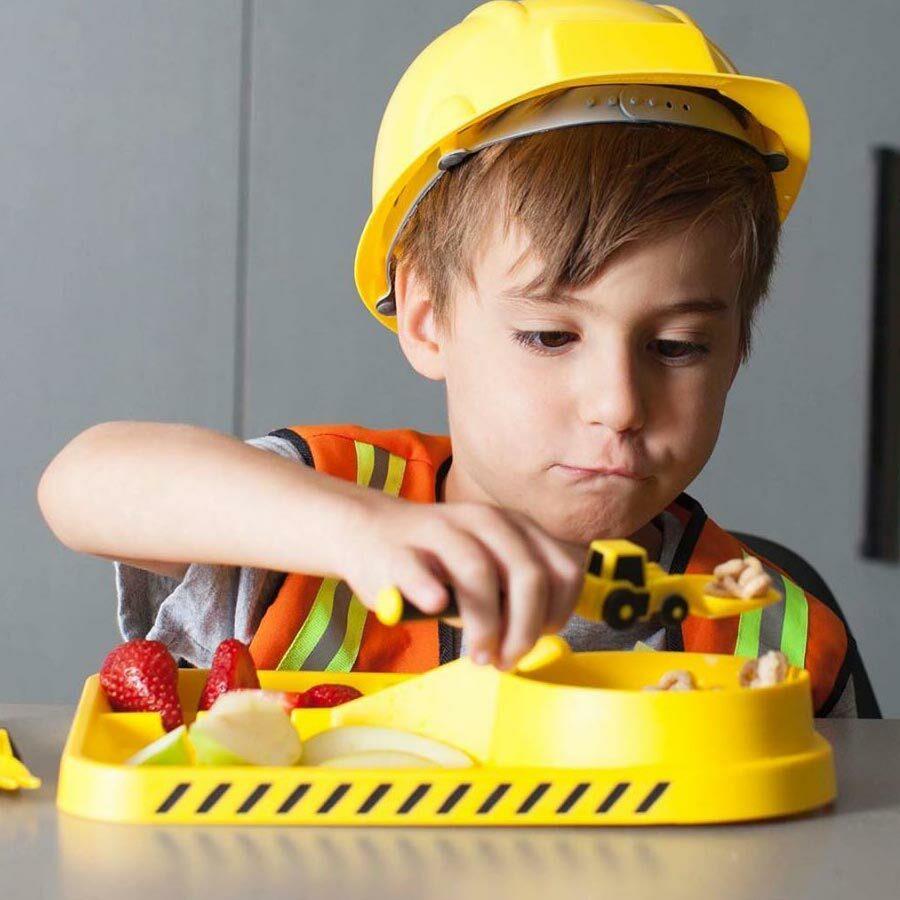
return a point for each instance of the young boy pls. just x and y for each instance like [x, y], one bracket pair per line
[577, 248]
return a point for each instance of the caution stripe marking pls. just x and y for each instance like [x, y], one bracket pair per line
[377, 795]
[293, 799]
[653, 796]
[612, 798]
[412, 800]
[573, 798]
[254, 797]
[173, 797]
[454, 798]
[215, 795]
[369, 803]
[533, 797]
[491, 801]
[334, 798]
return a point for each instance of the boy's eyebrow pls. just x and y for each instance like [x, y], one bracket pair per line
[692, 304]
[698, 304]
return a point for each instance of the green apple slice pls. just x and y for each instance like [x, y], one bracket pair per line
[246, 728]
[379, 759]
[172, 749]
[353, 740]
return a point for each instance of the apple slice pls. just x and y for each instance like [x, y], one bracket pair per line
[378, 759]
[355, 740]
[246, 728]
[172, 749]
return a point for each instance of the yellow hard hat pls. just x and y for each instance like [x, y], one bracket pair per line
[620, 61]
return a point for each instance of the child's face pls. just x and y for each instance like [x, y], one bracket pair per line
[627, 381]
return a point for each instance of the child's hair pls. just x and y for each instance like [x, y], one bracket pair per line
[583, 192]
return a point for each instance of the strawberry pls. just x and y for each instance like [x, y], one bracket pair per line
[141, 676]
[293, 700]
[232, 670]
[320, 695]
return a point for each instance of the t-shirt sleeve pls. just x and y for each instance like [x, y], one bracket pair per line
[210, 603]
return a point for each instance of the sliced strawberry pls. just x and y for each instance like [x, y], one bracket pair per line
[142, 676]
[293, 700]
[320, 695]
[232, 669]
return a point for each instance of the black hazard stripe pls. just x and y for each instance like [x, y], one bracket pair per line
[293, 798]
[574, 796]
[254, 797]
[214, 796]
[372, 800]
[613, 797]
[333, 798]
[495, 796]
[533, 798]
[653, 796]
[457, 794]
[177, 793]
[412, 800]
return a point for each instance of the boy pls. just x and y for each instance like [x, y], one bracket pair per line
[578, 249]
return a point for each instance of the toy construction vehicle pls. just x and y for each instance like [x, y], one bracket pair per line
[620, 588]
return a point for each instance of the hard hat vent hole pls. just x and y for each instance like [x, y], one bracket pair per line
[686, 106]
[669, 104]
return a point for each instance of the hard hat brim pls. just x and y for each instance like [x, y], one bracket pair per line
[777, 107]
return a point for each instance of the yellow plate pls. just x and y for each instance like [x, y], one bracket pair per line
[568, 739]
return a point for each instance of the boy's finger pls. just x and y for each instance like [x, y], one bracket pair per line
[476, 582]
[420, 583]
[565, 565]
[526, 581]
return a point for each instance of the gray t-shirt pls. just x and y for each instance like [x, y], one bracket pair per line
[212, 603]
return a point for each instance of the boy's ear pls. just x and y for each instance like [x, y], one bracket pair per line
[419, 334]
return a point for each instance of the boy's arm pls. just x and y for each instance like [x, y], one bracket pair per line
[163, 496]
[177, 494]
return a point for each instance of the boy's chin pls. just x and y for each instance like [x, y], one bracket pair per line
[581, 529]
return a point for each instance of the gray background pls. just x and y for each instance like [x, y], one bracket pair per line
[183, 187]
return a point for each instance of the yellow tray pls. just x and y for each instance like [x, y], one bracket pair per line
[569, 739]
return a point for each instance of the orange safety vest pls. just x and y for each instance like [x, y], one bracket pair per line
[317, 624]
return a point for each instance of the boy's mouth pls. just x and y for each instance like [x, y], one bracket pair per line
[578, 473]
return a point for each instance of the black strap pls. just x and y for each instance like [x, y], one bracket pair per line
[298, 443]
[682, 556]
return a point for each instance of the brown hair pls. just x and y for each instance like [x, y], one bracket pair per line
[583, 192]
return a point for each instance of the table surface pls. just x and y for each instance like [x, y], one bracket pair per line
[851, 850]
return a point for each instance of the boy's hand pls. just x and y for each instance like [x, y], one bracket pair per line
[482, 551]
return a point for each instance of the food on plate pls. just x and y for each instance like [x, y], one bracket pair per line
[172, 749]
[320, 696]
[246, 727]
[142, 676]
[232, 669]
[356, 740]
[384, 759]
[771, 668]
[674, 680]
[739, 578]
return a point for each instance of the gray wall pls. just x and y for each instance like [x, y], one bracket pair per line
[133, 245]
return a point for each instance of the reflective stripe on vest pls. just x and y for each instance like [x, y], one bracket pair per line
[781, 626]
[329, 639]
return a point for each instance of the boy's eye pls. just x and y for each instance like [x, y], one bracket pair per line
[544, 341]
[679, 351]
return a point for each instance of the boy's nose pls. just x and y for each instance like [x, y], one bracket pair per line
[611, 394]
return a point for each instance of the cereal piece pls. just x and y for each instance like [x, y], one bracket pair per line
[674, 680]
[731, 567]
[739, 578]
[771, 668]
